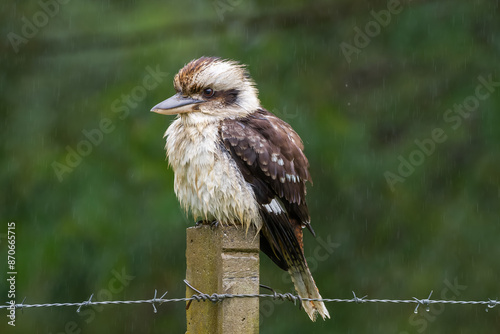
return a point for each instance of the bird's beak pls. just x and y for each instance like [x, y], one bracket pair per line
[176, 104]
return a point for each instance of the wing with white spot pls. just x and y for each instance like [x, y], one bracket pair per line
[269, 154]
[272, 150]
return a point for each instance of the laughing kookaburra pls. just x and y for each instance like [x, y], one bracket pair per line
[236, 163]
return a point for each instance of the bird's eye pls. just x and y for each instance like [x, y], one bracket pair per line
[208, 92]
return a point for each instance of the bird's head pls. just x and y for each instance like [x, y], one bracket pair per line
[211, 88]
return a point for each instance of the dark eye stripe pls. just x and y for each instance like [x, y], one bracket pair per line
[229, 96]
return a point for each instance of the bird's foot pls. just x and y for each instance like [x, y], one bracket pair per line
[214, 224]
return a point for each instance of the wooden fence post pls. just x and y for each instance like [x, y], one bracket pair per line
[223, 259]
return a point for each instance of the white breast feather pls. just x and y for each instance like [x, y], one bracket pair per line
[207, 181]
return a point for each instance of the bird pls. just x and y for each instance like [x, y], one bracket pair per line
[234, 162]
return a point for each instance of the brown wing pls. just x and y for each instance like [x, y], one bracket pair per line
[269, 154]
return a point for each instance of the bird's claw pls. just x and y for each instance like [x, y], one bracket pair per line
[213, 224]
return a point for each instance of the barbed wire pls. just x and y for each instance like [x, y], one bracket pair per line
[215, 298]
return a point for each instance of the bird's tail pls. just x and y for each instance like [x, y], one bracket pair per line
[306, 288]
[282, 241]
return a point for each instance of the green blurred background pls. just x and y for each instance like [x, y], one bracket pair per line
[111, 225]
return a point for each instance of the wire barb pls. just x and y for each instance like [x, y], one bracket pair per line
[492, 303]
[424, 302]
[85, 303]
[154, 300]
[21, 306]
[358, 300]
